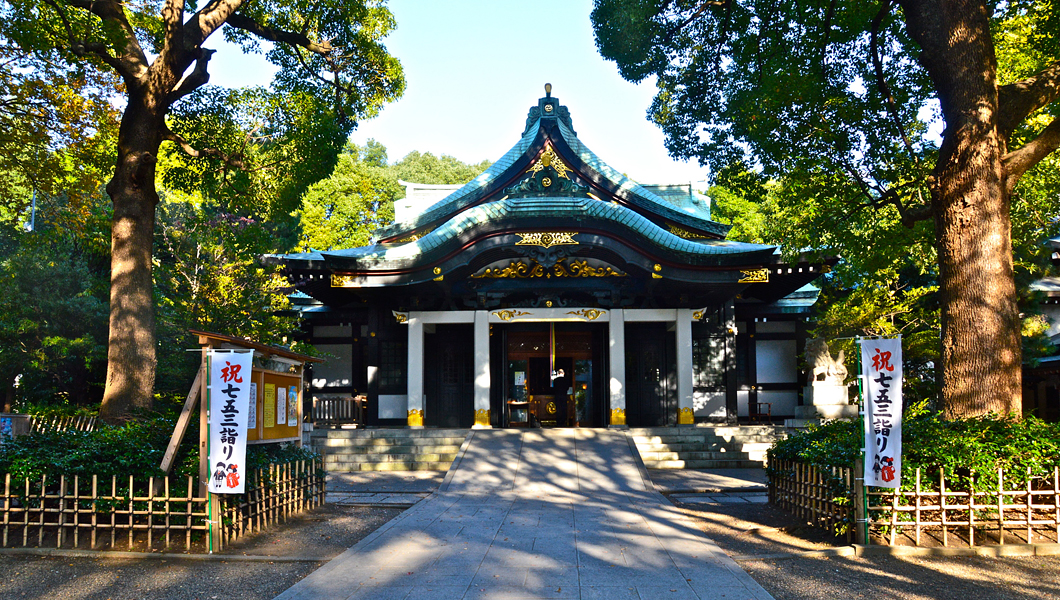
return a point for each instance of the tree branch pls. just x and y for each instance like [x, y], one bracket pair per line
[1019, 161]
[208, 20]
[81, 48]
[278, 35]
[699, 12]
[173, 22]
[881, 82]
[1018, 100]
[232, 161]
[198, 77]
[131, 61]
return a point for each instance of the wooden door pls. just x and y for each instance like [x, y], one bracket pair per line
[449, 376]
[651, 376]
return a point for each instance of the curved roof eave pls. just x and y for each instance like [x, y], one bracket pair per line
[637, 194]
[460, 198]
[451, 235]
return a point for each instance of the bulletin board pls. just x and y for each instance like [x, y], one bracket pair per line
[278, 408]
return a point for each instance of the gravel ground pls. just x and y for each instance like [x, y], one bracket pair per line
[322, 533]
[753, 532]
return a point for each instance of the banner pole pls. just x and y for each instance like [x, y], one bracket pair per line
[861, 497]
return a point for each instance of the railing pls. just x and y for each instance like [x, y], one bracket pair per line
[280, 492]
[338, 411]
[938, 511]
[38, 424]
[821, 497]
[153, 513]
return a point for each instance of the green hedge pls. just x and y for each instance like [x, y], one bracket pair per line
[960, 448]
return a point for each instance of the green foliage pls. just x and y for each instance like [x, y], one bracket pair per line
[963, 449]
[53, 309]
[344, 210]
[424, 167]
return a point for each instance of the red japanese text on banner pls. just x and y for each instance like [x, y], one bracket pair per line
[881, 366]
[228, 397]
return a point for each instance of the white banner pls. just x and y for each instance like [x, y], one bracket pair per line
[881, 368]
[228, 397]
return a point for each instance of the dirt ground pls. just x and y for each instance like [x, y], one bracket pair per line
[755, 534]
[320, 534]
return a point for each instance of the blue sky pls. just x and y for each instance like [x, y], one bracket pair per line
[475, 67]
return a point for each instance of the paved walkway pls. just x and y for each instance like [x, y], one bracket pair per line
[565, 513]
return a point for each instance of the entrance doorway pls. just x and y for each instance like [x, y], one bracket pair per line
[449, 376]
[557, 369]
[651, 375]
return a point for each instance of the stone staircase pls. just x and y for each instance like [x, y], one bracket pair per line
[721, 447]
[347, 450]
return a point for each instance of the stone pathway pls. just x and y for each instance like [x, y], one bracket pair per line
[565, 513]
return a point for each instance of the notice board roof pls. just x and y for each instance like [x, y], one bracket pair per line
[206, 338]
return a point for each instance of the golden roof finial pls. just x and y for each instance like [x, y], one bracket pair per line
[548, 90]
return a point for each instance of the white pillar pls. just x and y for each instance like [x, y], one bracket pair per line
[617, 341]
[482, 370]
[415, 372]
[685, 410]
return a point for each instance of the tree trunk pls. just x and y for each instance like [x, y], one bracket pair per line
[981, 359]
[131, 360]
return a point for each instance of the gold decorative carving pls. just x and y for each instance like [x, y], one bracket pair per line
[657, 267]
[755, 276]
[581, 268]
[412, 238]
[400, 317]
[686, 234]
[519, 269]
[590, 314]
[546, 181]
[508, 315]
[515, 269]
[618, 416]
[482, 417]
[547, 239]
[551, 408]
[549, 158]
[548, 303]
[685, 416]
[698, 315]
[437, 270]
[415, 417]
[344, 281]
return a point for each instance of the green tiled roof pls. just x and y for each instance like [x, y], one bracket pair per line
[532, 210]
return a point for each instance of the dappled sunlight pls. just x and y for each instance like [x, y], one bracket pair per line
[541, 513]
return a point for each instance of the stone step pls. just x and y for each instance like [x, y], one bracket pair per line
[662, 456]
[333, 459]
[388, 451]
[391, 466]
[368, 434]
[689, 447]
[703, 464]
[357, 445]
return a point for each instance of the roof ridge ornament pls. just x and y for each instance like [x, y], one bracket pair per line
[548, 177]
[548, 108]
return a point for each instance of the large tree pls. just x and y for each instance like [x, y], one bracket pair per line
[328, 53]
[848, 90]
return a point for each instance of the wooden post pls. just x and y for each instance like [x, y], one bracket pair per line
[185, 418]
[204, 425]
[861, 512]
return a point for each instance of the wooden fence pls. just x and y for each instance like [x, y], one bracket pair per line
[152, 513]
[281, 491]
[38, 423]
[821, 497]
[939, 512]
[936, 512]
[338, 411]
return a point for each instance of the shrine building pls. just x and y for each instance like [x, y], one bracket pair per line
[554, 291]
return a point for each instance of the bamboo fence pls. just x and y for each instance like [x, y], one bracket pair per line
[149, 513]
[38, 424]
[940, 512]
[821, 497]
[936, 512]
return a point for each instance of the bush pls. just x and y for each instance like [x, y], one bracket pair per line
[961, 449]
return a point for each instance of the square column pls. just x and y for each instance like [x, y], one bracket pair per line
[415, 372]
[482, 370]
[685, 410]
[617, 354]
